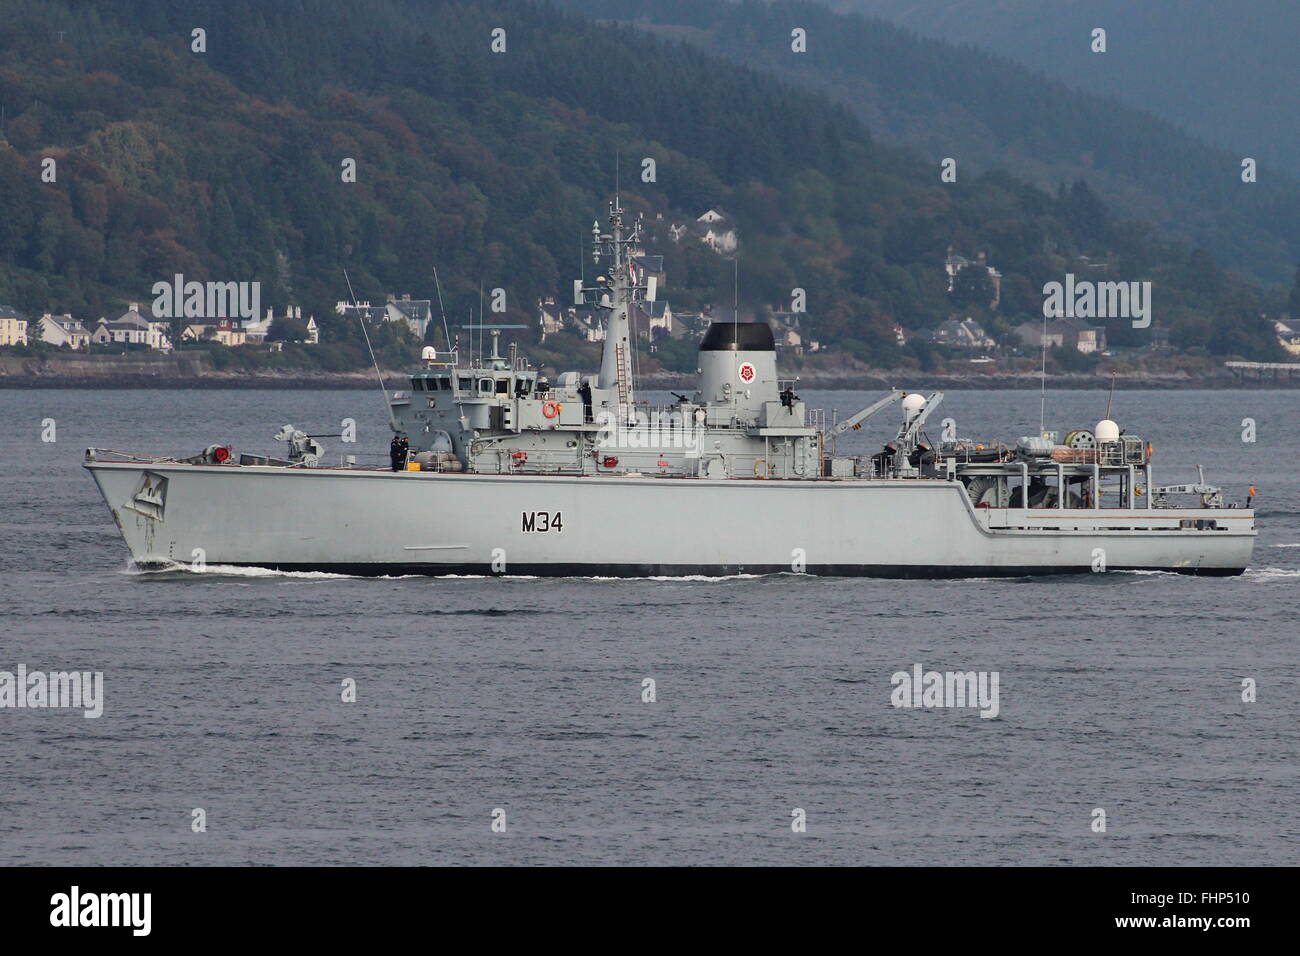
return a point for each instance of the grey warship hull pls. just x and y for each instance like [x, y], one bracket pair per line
[376, 523]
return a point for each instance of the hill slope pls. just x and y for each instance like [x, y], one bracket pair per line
[987, 112]
[226, 165]
[1224, 71]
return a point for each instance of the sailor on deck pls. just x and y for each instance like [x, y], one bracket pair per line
[397, 451]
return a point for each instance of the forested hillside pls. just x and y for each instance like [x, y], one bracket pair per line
[952, 100]
[226, 165]
[1225, 71]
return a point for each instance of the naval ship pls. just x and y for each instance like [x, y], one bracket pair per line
[498, 471]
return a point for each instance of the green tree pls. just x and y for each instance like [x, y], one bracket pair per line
[972, 286]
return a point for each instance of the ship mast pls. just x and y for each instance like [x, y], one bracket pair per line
[616, 291]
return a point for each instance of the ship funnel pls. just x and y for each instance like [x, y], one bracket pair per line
[738, 365]
[1107, 432]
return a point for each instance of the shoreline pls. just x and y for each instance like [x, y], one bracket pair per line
[196, 371]
[870, 383]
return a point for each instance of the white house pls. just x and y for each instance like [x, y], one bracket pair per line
[63, 330]
[587, 323]
[964, 333]
[550, 317]
[659, 320]
[13, 326]
[717, 231]
[714, 228]
[132, 328]
[256, 330]
[416, 313]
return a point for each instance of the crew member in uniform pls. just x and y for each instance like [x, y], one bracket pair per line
[584, 392]
[788, 397]
[397, 451]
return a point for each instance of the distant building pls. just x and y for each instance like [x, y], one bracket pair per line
[714, 228]
[132, 328]
[1036, 335]
[582, 320]
[256, 331]
[646, 267]
[223, 332]
[1067, 332]
[659, 321]
[954, 263]
[694, 324]
[959, 333]
[416, 313]
[1288, 335]
[63, 330]
[13, 326]
[550, 317]
[374, 313]
[789, 332]
[1082, 335]
[717, 231]
[788, 338]
[585, 321]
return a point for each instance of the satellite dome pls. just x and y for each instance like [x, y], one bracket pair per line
[1107, 431]
[912, 405]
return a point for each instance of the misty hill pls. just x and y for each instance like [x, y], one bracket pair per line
[987, 112]
[1224, 71]
[225, 165]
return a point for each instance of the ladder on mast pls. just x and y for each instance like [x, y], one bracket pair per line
[624, 374]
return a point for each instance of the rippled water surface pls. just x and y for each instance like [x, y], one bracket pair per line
[1117, 691]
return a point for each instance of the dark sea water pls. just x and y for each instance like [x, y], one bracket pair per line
[1117, 691]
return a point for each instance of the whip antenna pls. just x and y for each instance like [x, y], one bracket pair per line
[1042, 378]
[446, 334]
[392, 422]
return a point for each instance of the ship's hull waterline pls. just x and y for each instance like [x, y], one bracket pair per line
[374, 522]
